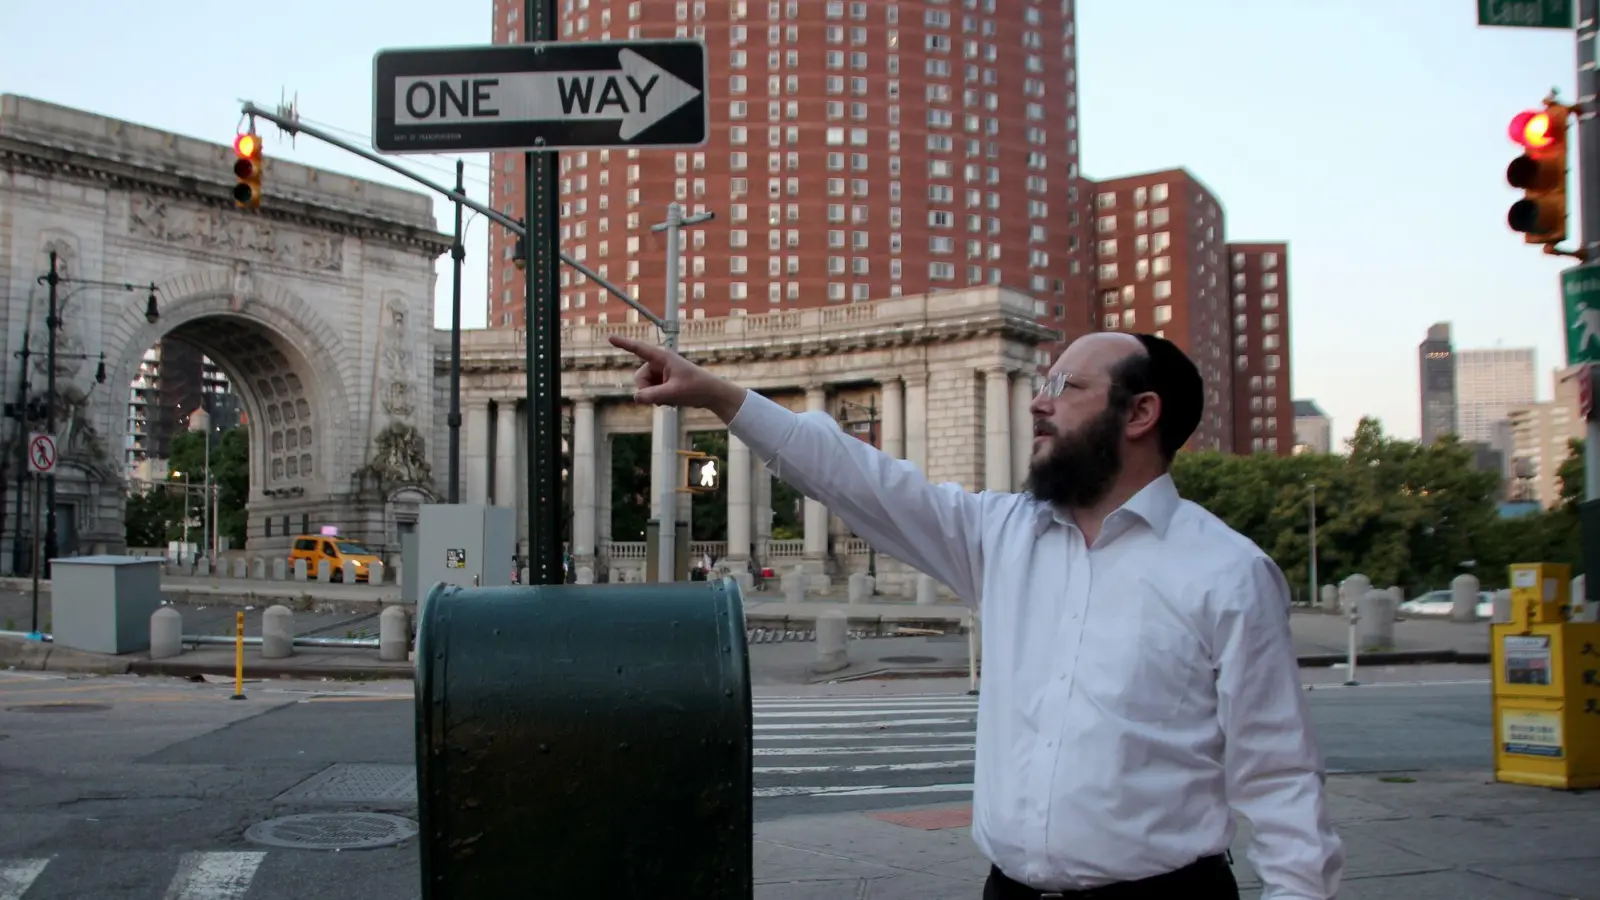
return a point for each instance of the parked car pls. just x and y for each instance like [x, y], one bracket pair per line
[1440, 603]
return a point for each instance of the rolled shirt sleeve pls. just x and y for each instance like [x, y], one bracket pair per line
[1274, 768]
[937, 529]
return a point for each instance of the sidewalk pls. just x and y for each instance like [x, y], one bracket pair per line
[1406, 837]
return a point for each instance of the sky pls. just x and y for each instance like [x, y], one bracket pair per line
[1370, 136]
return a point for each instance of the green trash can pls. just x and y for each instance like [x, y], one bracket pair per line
[584, 741]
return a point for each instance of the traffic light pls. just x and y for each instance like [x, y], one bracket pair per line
[1541, 173]
[702, 474]
[247, 168]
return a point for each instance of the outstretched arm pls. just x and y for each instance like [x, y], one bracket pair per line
[935, 528]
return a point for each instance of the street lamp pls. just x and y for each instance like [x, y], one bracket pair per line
[871, 421]
[52, 322]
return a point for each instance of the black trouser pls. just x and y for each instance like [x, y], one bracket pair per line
[1207, 879]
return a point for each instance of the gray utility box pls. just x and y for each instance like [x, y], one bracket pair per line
[465, 545]
[103, 604]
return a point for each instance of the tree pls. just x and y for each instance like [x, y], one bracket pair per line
[230, 473]
[630, 486]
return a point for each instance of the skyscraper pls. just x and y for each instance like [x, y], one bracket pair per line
[1437, 381]
[1161, 267]
[1489, 384]
[1262, 402]
[859, 150]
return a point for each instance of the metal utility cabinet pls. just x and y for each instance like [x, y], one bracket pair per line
[103, 604]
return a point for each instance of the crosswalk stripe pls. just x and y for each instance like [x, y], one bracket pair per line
[863, 751]
[879, 723]
[17, 875]
[867, 704]
[884, 767]
[214, 876]
[854, 713]
[875, 736]
[861, 791]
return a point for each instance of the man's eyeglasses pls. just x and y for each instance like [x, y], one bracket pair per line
[1051, 385]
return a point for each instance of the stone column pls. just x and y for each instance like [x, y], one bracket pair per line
[916, 417]
[505, 453]
[761, 518]
[816, 517]
[738, 503]
[997, 430]
[583, 482]
[477, 461]
[894, 419]
[1021, 428]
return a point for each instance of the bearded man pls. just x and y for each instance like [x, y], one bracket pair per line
[1140, 685]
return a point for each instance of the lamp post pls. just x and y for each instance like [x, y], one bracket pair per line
[871, 409]
[53, 279]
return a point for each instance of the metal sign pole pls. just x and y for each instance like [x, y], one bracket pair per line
[541, 317]
[34, 630]
[1589, 212]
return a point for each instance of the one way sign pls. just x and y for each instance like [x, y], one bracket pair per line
[542, 96]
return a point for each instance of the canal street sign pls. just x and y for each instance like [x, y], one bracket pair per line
[541, 96]
[1526, 13]
[1580, 301]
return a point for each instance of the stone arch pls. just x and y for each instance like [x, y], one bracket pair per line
[282, 356]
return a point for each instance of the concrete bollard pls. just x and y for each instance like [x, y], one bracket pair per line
[277, 633]
[348, 571]
[860, 588]
[586, 576]
[794, 587]
[1464, 598]
[1582, 609]
[375, 573]
[166, 633]
[258, 568]
[324, 571]
[202, 568]
[832, 642]
[1330, 598]
[241, 568]
[1351, 590]
[299, 570]
[394, 635]
[1500, 606]
[745, 580]
[1376, 627]
[927, 591]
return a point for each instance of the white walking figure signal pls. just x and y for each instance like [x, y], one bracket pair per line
[708, 474]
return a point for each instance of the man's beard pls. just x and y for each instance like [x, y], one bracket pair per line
[1080, 467]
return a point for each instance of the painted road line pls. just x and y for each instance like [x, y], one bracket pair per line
[884, 767]
[17, 875]
[862, 791]
[857, 698]
[874, 703]
[871, 736]
[880, 723]
[214, 876]
[863, 751]
[859, 713]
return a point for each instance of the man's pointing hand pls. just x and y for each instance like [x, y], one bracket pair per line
[667, 379]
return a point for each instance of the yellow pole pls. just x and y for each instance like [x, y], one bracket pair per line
[238, 656]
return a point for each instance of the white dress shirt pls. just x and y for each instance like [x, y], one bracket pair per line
[1135, 693]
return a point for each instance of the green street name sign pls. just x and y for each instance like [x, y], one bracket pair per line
[1525, 13]
[1580, 301]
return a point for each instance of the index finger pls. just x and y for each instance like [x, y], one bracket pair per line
[647, 352]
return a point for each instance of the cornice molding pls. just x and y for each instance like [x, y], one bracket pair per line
[87, 168]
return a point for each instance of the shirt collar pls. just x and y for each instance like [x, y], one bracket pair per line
[1156, 504]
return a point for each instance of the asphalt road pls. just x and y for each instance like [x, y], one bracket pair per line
[143, 789]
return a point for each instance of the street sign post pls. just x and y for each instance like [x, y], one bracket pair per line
[1525, 13]
[1580, 301]
[41, 462]
[551, 95]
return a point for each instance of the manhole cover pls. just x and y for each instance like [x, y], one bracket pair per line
[909, 660]
[59, 708]
[332, 831]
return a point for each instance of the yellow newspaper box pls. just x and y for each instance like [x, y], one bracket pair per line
[1546, 685]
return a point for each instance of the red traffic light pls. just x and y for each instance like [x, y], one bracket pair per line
[247, 146]
[1533, 130]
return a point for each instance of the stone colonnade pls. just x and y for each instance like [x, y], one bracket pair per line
[948, 379]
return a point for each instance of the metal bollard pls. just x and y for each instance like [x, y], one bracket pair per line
[577, 720]
[166, 633]
[394, 634]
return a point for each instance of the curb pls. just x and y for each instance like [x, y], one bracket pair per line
[1309, 661]
[265, 670]
[39, 656]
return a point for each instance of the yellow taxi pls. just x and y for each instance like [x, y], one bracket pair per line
[313, 548]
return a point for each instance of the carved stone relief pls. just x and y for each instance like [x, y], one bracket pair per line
[218, 232]
[399, 393]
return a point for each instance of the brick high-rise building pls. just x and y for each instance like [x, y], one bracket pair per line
[859, 150]
[1161, 267]
[1263, 407]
